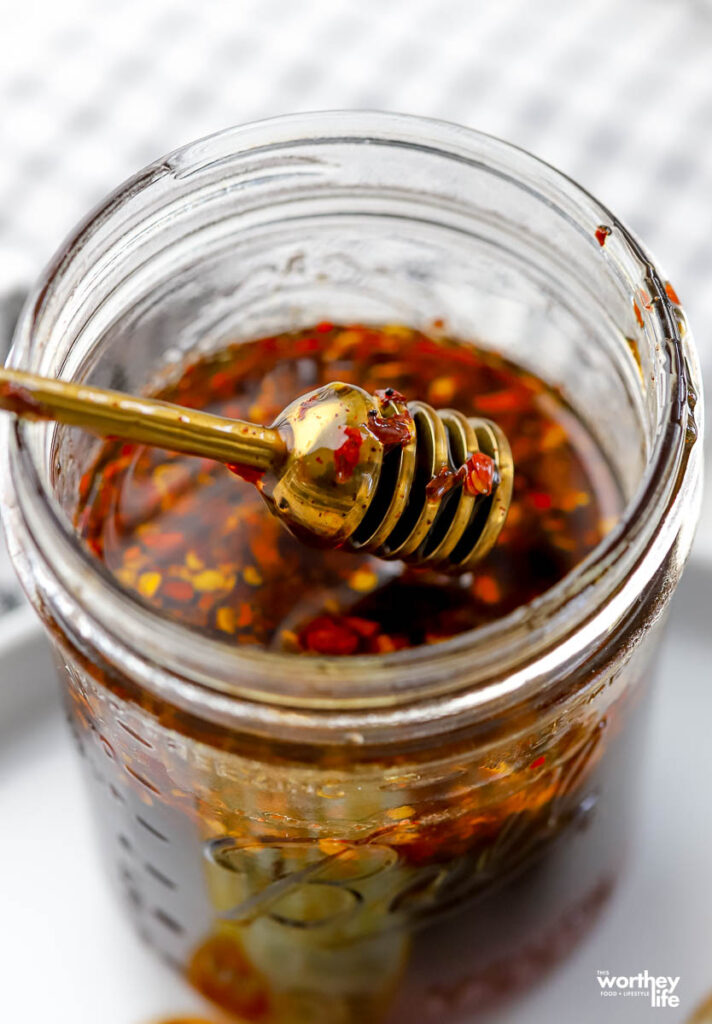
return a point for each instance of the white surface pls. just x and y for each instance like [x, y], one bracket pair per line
[67, 955]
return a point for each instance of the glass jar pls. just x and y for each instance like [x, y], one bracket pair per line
[370, 837]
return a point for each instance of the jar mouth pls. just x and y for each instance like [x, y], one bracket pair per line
[490, 664]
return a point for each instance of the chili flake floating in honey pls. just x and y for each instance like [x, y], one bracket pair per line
[346, 456]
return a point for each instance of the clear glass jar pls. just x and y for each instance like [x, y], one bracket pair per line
[371, 837]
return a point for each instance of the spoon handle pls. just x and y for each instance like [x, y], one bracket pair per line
[114, 415]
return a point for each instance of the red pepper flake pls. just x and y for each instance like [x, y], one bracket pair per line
[478, 474]
[163, 541]
[347, 455]
[112, 470]
[511, 400]
[538, 763]
[487, 589]
[328, 635]
[178, 590]
[386, 395]
[96, 546]
[85, 484]
[247, 473]
[671, 293]
[364, 627]
[391, 431]
[443, 482]
[638, 314]
[385, 644]
[540, 500]
[602, 232]
[307, 345]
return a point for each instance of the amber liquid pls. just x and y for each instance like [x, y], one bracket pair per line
[328, 892]
[188, 538]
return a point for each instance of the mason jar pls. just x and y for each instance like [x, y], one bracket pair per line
[375, 837]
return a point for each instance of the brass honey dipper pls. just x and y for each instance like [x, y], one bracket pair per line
[341, 468]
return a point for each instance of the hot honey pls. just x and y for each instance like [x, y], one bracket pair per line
[191, 539]
[343, 884]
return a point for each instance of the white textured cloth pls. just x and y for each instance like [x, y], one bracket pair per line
[618, 95]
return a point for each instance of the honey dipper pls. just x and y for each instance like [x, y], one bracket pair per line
[340, 467]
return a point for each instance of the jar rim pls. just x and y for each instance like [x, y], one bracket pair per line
[474, 669]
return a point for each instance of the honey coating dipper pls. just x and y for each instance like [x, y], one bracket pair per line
[339, 466]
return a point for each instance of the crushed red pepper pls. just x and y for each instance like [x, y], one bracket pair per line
[187, 538]
[346, 456]
[442, 483]
[476, 475]
[391, 431]
[602, 232]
